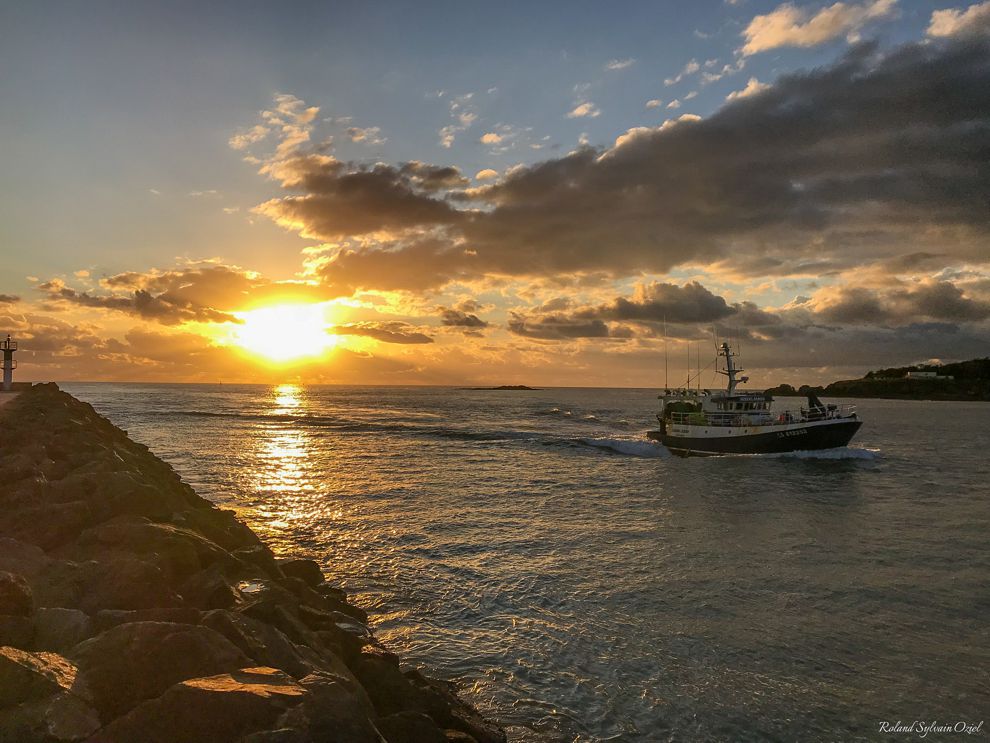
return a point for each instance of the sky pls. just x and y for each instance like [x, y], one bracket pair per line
[573, 194]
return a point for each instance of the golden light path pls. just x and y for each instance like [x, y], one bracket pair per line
[285, 332]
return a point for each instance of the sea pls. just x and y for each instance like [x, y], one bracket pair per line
[578, 583]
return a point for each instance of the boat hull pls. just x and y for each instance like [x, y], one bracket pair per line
[812, 437]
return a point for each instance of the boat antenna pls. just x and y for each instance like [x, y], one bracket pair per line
[666, 380]
[689, 365]
[715, 358]
[699, 366]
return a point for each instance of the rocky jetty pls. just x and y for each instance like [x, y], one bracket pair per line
[133, 610]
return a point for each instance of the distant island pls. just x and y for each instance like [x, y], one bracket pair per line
[963, 380]
[508, 387]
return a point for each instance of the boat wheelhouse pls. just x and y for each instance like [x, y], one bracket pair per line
[710, 422]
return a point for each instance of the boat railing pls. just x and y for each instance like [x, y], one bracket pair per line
[762, 417]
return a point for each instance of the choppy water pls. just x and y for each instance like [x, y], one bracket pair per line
[581, 585]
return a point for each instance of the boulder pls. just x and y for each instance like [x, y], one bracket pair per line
[307, 571]
[223, 708]
[107, 618]
[178, 552]
[17, 632]
[20, 557]
[62, 718]
[59, 630]
[28, 676]
[120, 580]
[264, 644]
[410, 727]
[133, 662]
[16, 599]
[219, 526]
[331, 712]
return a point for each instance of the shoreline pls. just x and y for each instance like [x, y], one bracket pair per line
[132, 609]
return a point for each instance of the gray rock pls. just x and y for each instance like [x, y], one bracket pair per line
[62, 718]
[224, 708]
[306, 570]
[60, 630]
[133, 662]
[28, 676]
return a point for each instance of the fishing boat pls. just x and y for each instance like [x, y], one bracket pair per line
[696, 422]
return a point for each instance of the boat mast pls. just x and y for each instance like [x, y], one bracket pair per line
[730, 368]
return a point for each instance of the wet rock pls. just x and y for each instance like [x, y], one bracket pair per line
[134, 662]
[307, 571]
[331, 712]
[59, 630]
[458, 736]
[261, 557]
[410, 727]
[222, 708]
[28, 676]
[219, 526]
[209, 589]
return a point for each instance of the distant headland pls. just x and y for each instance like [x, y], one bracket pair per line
[963, 380]
[507, 387]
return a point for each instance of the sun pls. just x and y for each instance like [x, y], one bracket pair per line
[284, 332]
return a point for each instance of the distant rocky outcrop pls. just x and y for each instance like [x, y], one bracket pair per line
[134, 611]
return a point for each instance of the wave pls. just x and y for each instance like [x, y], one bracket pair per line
[628, 447]
[844, 452]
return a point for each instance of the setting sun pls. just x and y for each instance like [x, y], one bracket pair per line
[284, 332]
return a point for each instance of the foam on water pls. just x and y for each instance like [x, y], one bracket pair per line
[842, 452]
[629, 447]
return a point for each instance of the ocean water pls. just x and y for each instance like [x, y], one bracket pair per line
[580, 584]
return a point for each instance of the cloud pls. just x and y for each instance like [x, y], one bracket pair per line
[460, 319]
[491, 138]
[432, 178]
[557, 327]
[674, 104]
[342, 200]
[199, 292]
[974, 21]
[871, 158]
[789, 25]
[9, 299]
[753, 87]
[654, 308]
[201, 194]
[654, 103]
[689, 69]
[928, 300]
[386, 332]
[464, 116]
[584, 110]
[370, 135]
[244, 139]
[140, 303]
[486, 175]
[619, 64]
